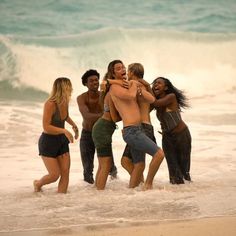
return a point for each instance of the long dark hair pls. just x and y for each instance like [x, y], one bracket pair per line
[109, 75]
[180, 95]
[110, 69]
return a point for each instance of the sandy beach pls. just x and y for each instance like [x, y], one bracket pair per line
[217, 226]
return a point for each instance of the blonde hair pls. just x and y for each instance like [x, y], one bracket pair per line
[61, 90]
[137, 70]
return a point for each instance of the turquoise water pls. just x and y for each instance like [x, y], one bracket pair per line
[187, 41]
[50, 18]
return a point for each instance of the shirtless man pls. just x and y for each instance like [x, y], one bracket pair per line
[126, 104]
[136, 72]
[91, 110]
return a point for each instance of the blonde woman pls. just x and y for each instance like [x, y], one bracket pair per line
[53, 142]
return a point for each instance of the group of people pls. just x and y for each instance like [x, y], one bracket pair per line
[125, 97]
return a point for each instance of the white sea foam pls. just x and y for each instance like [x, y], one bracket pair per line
[201, 64]
[212, 192]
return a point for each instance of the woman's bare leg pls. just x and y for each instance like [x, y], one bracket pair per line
[105, 167]
[53, 173]
[97, 174]
[64, 163]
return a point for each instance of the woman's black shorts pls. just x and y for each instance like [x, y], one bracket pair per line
[53, 145]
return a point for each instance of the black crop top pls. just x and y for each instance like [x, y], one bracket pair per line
[56, 119]
[169, 120]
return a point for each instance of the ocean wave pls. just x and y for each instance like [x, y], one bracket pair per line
[10, 92]
[110, 34]
[190, 60]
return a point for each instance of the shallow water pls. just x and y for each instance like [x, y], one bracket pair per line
[212, 192]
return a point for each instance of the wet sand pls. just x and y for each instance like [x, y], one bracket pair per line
[218, 226]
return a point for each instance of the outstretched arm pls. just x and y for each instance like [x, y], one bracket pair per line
[124, 83]
[165, 101]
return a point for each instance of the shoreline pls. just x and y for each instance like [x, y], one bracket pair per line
[217, 226]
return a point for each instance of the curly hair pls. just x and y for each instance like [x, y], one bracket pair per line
[87, 74]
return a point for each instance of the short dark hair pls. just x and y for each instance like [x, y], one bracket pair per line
[87, 74]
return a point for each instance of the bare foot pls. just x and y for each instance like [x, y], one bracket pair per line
[147, 187]
[36, 187]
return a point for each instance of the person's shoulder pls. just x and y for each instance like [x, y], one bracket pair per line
[49, 104]
[82, 95]
[171, 96]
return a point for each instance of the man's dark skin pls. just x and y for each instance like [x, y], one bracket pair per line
[88, 103]
[91, 110]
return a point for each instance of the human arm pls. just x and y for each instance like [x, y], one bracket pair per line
[165, 101]
[49, 109]
[146, 85]
[124, 94]
[74, 126]
[124, 83]
[85, 111]
[144, 94]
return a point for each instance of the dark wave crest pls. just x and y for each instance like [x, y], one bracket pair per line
[9, 92]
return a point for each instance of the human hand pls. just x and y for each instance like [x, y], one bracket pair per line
[76, 130]
[69, 136]
[125, 83]
[103, 85]
[145, 84]
[139, 90]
